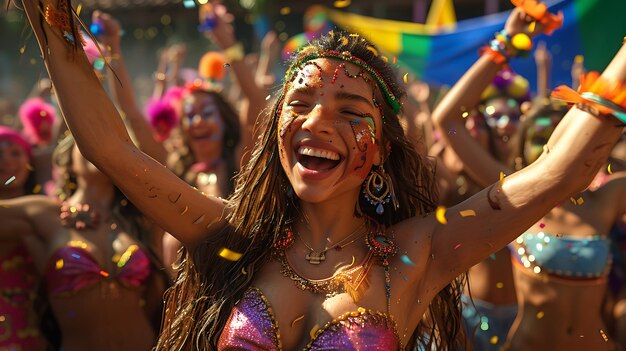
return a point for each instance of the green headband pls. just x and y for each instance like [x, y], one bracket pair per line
[347, 56]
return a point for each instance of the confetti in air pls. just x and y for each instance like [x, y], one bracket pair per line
[608, 169]
[229, 255]
[405, 78]
[493, 340]
[406, 260]
[541, 225]
[604, 336]
[468, 213]
[440, 214]
[9, 180]
[342, 3]
[540, 314]
[457, 246]
[268, 97]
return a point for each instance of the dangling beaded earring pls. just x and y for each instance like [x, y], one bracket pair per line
[378, 190]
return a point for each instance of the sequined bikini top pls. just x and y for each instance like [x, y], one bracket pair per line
[566, 257]
[252, 326]
[72, 268]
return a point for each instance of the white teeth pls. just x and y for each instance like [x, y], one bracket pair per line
[303, 150]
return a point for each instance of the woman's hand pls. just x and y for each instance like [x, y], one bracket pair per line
[520, 22]
[111, 30]
[219, 21]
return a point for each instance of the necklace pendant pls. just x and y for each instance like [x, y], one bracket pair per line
[315, 257]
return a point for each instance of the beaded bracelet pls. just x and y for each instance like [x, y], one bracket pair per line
[503, 47]
[596, 93]
[61, 16]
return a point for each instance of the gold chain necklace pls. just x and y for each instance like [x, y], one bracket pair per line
[316, 257]
[349, 280]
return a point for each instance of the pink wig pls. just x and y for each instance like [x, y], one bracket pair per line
[174, 94]
[34, 114]
[162, 117]
[13, 136]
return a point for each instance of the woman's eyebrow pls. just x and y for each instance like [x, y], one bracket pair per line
[305, 90]
[343, 95]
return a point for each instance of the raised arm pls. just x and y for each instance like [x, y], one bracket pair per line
[223, 35]
[102, 137]
[465, 95]
[122, 88]
[574, 153]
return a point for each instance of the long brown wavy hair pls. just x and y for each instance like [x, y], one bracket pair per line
[208, 287]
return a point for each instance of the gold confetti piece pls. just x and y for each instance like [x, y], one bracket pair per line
[493, 340]
[243, 271]
[531, 26]
[580, 201]
[285, 10]
[608, 169]
[385, 59]
[59, 264]
[229, 255]
[440, 214]
[268, 97]
[22, 49]
[604, 336]
[572, 200]
[37, 189]
[297, 320]
[540, 314]
[502, 175]
[372, 50]
[78, 9]
[313, 331]
[468, 213]
[342, 3]
[405, 78]
[499, 285]
[465, 114]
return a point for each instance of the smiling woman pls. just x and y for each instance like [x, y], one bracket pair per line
[315, 242]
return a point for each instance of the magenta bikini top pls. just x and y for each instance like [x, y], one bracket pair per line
[72, 268]
[252, 326]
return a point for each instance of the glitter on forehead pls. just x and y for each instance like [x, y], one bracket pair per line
[348, 57]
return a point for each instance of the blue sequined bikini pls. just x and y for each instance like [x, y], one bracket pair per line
[564, 257]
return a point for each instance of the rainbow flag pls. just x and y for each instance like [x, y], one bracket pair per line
[440, 55]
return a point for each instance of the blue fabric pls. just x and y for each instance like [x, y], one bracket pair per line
[564, 256]
[486, 324]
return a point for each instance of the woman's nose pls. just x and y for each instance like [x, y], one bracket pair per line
[319, 120]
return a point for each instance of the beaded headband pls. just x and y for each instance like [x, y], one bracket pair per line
[348, 57]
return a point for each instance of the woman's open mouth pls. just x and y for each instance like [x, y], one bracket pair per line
[317, 159]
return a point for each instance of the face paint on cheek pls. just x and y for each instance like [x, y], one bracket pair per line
[364, 135]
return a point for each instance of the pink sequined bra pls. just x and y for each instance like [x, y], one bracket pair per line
[72, 268]
[252, 326]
